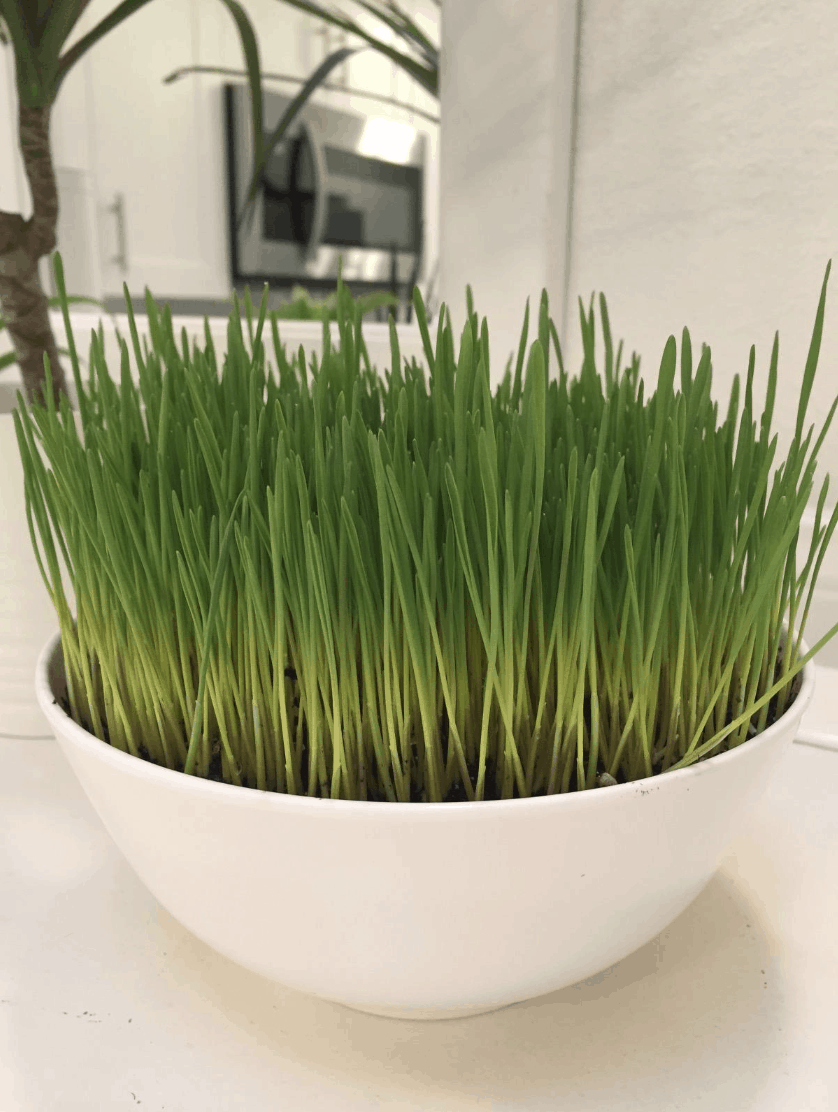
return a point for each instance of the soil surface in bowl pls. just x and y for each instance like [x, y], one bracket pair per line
[457, 793]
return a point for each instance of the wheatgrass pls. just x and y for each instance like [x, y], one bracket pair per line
[307, 577]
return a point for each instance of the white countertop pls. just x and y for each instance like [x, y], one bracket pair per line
[107, 1003]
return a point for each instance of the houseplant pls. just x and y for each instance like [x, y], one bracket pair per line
[303, 306]
[417, 55]
[38, 34]
[415, 695]
[46, 46]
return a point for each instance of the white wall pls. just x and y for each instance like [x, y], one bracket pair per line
[705, 179]
[507, 97]
[705, 184]
[706, 193]
[706, 187]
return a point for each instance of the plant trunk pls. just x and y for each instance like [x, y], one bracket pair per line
[22, 244]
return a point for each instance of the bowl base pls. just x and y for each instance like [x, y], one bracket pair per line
[427, 1014]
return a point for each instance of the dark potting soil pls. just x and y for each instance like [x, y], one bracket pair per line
[457, 793]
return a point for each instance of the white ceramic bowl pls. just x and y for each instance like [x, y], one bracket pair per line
[421, 910]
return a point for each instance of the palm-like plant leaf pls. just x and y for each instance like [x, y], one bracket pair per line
[292, 79]
[402, 25]
[62, 18]
[112, 20]
[29, 83]
[425, 72]
[291, 113]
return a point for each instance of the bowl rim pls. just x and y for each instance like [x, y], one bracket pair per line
[65, 728]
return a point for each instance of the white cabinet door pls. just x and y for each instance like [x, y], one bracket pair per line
[147, 157]
[12, 176]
